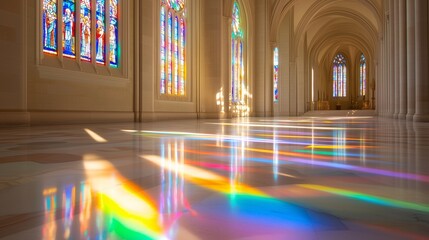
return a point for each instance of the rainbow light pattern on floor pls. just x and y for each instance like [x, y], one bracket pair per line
[250, 178]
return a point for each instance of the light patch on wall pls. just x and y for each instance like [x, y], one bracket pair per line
[241, 108]
[220, 100]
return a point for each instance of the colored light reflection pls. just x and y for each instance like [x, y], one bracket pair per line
[292, 158]
[244, 204]
[301, 136]
[173, 203]
[133, 214]
[319, 119]
[329, 153]
[214, 137]
[204, 178]
[280, 126]
[85, 210]
[275, 158]
[50, 203]
[337, 147]
[368, 198]
[298, 156]
[69, 202]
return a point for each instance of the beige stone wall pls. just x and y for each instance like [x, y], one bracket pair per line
[36, 88]
[13, 72]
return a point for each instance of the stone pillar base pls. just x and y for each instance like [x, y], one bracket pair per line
[421, 118]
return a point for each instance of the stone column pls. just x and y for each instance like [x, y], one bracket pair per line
[402, 60]
[422, 81]
[381, 87]
[391, 82]
[386, 64]
[411, 85]
[226, 65]
[396, 57]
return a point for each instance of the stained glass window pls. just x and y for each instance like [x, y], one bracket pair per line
[176, 5]
[85, 30]
[50, 29]
[172, 47]
[362, 74]
[114, 46]
[69, 33]
[89, 42]
[100, 25]
[238, 89]
[276, 75]
[163, 48]
[182, 57]
[339, 76]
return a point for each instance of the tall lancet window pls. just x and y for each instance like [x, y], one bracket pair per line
[50, 18]
[100, 27]
[69, 24]
[173, 47]
[114, 33]
[276, 75]
[339, 76]
[362, 76]
[238, 89]
[85, 30]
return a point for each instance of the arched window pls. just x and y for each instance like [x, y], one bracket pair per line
[339, 76]
[276, 75]
[84, 16]
[237, 63]
[173, 47]
[362, 74]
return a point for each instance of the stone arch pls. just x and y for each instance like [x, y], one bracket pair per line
[281, 7]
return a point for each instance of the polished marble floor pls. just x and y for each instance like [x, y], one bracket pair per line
[256, 178]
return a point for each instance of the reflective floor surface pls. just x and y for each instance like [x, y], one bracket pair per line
[256, 178]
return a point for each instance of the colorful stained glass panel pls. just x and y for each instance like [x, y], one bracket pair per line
[276, 75]
[113, 33]
[238, 88]
[339, 76]
[176, 5]
[170, 53]
[85, 30]
[236, 29]
[172, 48]
[362, 74]
[100, 26]
[335, 72]
[163, 51]
[69, 30]
[176, 55]
[50, 29]
[182, 57]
